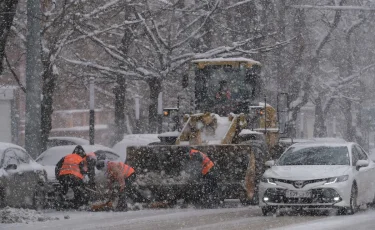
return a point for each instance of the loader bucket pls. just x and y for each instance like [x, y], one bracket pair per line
[164, 172]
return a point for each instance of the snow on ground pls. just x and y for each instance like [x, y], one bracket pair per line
[166, 219]
[13, 215]
[359, 221]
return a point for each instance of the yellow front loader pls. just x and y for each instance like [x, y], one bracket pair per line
[236, 133]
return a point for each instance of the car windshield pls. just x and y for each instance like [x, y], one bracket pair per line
[316, 155]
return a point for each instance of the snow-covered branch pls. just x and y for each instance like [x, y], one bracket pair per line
[113, 70]
[347, 8]
[237, 4]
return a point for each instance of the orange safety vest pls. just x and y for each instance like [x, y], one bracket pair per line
[119, 169]
[70, 166]
[92, 154]
[207, 164]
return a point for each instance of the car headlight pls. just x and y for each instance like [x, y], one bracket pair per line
[268, 180]
[338, 179]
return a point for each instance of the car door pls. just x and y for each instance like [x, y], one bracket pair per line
[10, 187]
[27, 176]
[21, 181]
[369, 186]
[360, 176]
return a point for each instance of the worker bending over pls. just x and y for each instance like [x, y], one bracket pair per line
[121, 173]
[209, 193]
[69, 171]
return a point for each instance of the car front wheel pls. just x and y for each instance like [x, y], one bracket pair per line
[353, 208]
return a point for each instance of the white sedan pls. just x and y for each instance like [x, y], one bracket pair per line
[319, 176]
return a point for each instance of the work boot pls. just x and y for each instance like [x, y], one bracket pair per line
[121, 208]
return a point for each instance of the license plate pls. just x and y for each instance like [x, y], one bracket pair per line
[297, 194]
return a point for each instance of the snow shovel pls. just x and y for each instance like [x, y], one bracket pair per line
[106, 206]
[102, 207]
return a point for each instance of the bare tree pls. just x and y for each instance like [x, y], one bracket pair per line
[7, 12]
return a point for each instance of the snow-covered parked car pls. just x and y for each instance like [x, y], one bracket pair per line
[61, 141]
[22, 180]
[134, 140]
[49, 158]
[323, 176]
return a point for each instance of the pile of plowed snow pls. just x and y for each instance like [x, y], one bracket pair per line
[152, 178]
[14, 215]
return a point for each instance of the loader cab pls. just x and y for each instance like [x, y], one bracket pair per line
[224, 85]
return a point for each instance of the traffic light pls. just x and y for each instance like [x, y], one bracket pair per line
[166, 113]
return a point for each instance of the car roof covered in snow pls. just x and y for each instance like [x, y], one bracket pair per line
[77, 140]
[328, 144]
[4, 146]
[134, 140]
[54, 154]
[329, 140]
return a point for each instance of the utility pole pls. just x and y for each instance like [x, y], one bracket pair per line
[33, 79]
[92, 111]
[160, 112]
[137, 114]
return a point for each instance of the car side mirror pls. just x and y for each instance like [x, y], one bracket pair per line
[11, 166]
[270, 163]
[361, 164]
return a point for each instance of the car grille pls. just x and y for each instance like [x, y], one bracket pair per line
[324, 195]
[301, 183]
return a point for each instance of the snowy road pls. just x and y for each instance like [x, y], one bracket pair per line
[189, 219]
[228, 218]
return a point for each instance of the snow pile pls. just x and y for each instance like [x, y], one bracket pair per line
[223, 125]
[152, 178]
[13, 215]
[249, 132]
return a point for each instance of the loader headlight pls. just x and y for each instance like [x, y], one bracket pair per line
[338, 179]
[268, 180]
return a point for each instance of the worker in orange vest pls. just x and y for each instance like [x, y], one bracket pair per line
[70, 172]
[121, 173]
[209, 196]
[89, 162]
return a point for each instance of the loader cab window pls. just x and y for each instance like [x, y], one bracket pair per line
[226, 86]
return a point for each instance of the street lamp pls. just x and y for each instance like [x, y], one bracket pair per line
[92, 111]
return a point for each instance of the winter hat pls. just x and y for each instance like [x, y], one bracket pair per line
[79, 150]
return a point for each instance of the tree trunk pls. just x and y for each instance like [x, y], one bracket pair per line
[155, 88]
[120, 92]
[347, 111]
[7, 12]
[320, 130]
[49, 85]
[282, 82]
